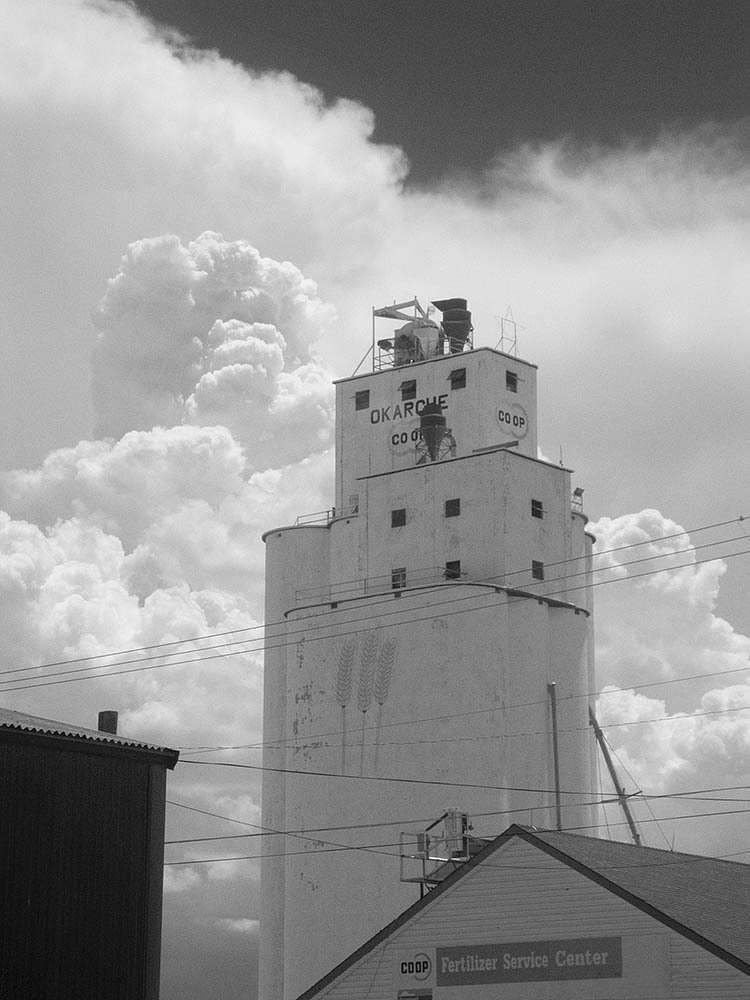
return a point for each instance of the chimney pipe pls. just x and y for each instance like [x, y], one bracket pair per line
[107, 723]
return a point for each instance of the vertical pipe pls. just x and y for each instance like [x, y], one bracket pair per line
[552, 689]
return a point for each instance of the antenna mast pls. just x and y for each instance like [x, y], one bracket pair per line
[508, 342]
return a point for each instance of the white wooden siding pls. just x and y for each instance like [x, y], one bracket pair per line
[521, 894]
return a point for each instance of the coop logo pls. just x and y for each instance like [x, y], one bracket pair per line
[514, 420]
[419, 967]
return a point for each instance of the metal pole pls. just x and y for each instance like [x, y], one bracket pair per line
[552, 689]
[619, 790]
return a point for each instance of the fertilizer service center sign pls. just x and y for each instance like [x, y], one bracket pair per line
[529, 961]
[518, 962]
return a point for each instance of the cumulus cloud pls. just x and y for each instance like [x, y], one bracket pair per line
[662, 624]
[154, 536]
[193, 335]
[675, 675]
[179, 879]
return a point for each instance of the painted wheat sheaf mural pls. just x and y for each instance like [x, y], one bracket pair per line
[374, 655]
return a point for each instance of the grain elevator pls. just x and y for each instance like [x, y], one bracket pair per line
[429, 640]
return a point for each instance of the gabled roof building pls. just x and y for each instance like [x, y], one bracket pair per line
[545, 915]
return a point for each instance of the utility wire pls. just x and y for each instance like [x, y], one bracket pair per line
[312, 832]
[693, 795]
[488, 580]
[340, 634]
[459, 739]
[379, 848]
[374, 777]
[307, 629]
[291, 742]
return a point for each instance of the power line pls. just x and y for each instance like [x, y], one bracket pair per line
[372, 849]
[464, 739]
[290, 742]
[457, 739]
[366, 620]
[369, 618]
[374, 777]
[379, 848]
[311, 832]
[260, 626]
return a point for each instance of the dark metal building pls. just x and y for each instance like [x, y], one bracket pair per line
[81, 855]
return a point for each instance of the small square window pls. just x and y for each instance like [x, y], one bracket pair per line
[537, 569]
[537, 510]
[398, 517]
[511, 381]
[457, 378]
[409, 389]
[453, 570]
[362, 399]
[453, 507]
[398, 578]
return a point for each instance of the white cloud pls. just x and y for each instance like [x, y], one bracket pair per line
[192, 334]
[179, 879]
[661, 625]
[241, 926]
[676, 729]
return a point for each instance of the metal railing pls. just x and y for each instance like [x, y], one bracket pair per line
[326, 516]
[385, 354]
[367, 586]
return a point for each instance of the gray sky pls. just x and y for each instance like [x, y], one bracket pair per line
[166, 393]
[453, 85]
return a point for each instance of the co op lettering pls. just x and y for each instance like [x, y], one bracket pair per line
[404, 437]
[511, 419]
[412, 407]
[419, 966]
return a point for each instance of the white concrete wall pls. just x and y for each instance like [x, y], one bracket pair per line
[495, 537]
[365, 438]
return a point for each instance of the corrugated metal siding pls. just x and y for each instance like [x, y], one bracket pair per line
[74, 874]
[520, 894]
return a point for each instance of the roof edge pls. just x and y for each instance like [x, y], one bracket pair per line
[16, 727]
[648, 908]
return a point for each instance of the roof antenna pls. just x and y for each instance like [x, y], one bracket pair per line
[508, 342]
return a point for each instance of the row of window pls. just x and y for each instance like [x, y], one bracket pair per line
[452, 571]
[452, 508]
[408, 389]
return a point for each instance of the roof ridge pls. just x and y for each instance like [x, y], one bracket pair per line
[664, 852]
